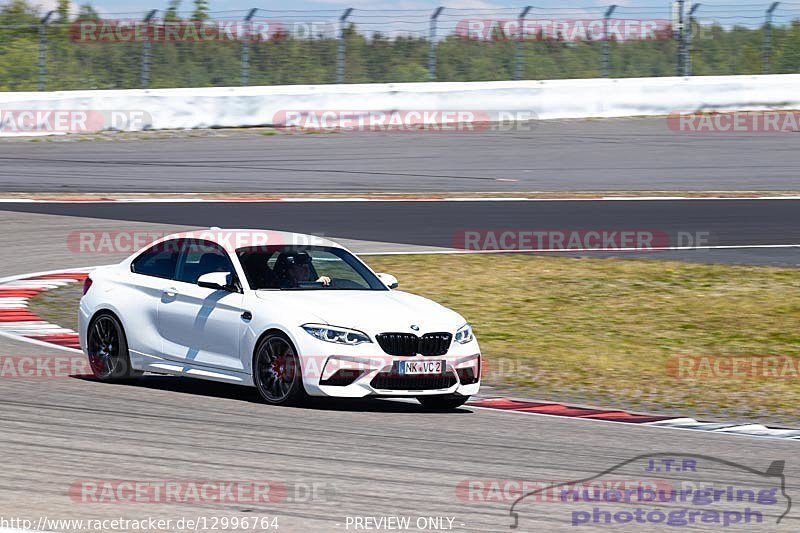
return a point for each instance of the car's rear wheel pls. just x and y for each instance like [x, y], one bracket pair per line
[444, 402]
[276, 371]
[107, 348]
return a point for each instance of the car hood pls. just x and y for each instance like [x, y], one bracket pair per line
[369, 311]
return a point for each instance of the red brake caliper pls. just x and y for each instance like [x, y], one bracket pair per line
[282, 367]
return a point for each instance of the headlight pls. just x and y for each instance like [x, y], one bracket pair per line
[464, 334]
[336, 335]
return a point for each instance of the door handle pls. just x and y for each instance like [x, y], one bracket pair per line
[247, 315]
[170, 293]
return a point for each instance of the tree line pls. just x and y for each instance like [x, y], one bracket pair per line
[374, 58]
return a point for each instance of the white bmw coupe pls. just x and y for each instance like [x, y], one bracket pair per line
[292, 315]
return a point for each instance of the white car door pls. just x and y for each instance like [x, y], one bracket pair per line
[151, 272]
[198, 325]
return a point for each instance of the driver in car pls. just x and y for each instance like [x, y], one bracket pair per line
[298, 269]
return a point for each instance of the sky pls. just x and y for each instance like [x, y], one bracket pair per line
[113, 6]
[727, 12]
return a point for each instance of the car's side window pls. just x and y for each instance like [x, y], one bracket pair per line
[159, 261]
[202, 257]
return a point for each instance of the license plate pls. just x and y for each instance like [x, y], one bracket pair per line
[411, 368]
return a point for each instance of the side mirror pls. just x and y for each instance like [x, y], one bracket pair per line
[218, 281]
[388, 280]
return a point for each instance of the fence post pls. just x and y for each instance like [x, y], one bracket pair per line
[342, 56]
[687, 64]
[606, 16]
[432, 45]
[520, 42]
[43, 51]
[768, 36]
[146, 50]
[248, 28]
[681, 39]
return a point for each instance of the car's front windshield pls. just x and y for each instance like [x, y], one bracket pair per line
[305, 268]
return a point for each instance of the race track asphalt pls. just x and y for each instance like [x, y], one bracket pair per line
[438, 224]
[367, 459]
[572, 155]
[377, 458]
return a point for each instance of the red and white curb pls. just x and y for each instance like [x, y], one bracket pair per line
[558, 409]
[19, 323]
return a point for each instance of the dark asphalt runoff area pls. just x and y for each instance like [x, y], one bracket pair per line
[737, 223]
[564, 155]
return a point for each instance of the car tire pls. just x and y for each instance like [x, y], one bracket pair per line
[276, 371]
[107, 349]
[446, 402]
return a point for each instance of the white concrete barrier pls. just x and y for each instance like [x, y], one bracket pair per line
[502, 100]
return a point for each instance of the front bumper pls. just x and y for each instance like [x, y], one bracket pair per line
[348, 376]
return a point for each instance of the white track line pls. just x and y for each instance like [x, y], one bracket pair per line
[367, 199]
[580, 250]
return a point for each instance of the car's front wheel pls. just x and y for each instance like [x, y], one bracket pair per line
[445, 402]
[107, 348]
[276, 371]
